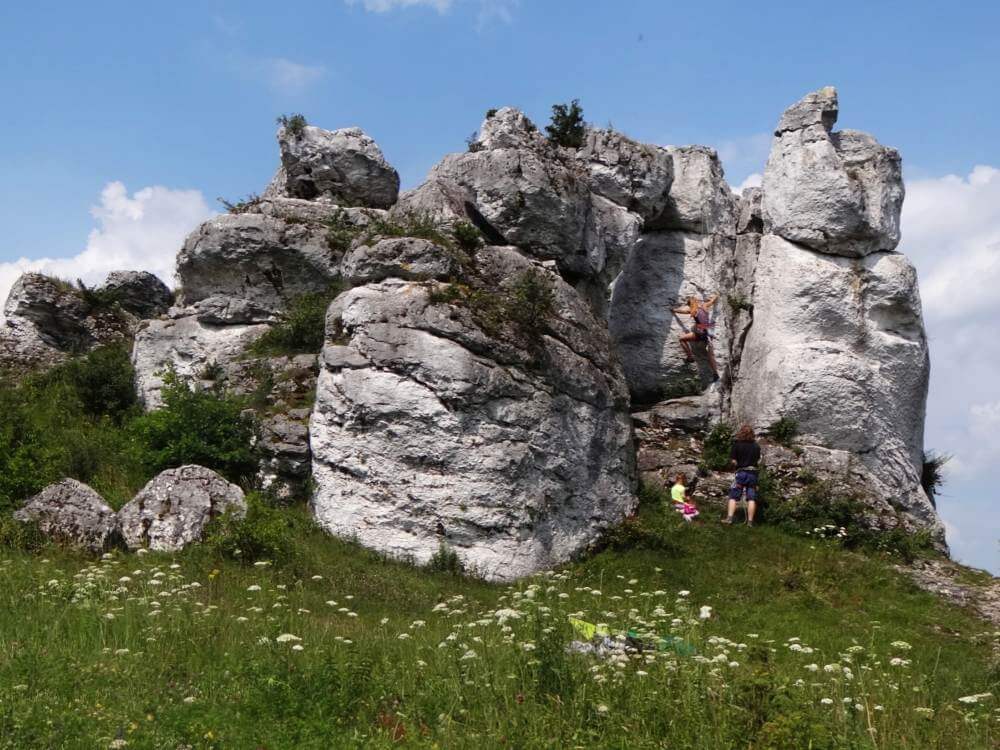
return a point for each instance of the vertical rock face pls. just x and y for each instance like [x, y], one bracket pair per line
[687, 250]
[432, 428]
[837, 339]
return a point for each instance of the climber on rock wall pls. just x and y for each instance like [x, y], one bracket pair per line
[701, 329]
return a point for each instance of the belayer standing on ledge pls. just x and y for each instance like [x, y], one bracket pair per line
[701, 329]
[745, 454]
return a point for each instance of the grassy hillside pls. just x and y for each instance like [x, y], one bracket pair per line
[805, 646]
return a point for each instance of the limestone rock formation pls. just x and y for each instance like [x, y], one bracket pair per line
[636, 176]
[838, 345]
[835, 192]
[47, 320]
[440, 423]
[398, 257]
[70, 512]
[246, 268]
[138, 292]
[182, 343]
[345, 166]
[837, 341]
[171, 511]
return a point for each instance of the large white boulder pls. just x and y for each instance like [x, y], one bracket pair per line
[836, 192]
[514, 450]
[345, 166]
[174, 507]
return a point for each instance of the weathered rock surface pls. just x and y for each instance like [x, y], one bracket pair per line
[246, 268]
[138, 292]
[661, 272]
[426, 430]
[700, 199]
[171, 511]
[398, 257]
[47, 320]
[345, 166]
[636, 176]
[838, 193]
[838, 345]
[70, 512]
[187, 346]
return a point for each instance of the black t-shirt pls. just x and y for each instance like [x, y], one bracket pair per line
[745, 453]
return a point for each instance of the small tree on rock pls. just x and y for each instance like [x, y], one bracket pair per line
[567, 127]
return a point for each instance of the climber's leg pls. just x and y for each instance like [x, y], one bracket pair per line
[686, 339]
[711, 358]
[751, 511]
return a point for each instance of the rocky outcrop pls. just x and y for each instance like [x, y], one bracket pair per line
[398, 257]
[345, 166]
[138, 292]
[442, 423]
[190, 348]
[837, 341]
[246, 268]
[834, 192]
[47, 320]
[69, 512]
[172, 510]
[636, 176]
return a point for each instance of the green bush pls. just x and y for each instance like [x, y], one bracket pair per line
[341, 231]
[531, 301]
[206, 427]
[301, 329]
[265, 533]
[246, 205]
[784, 431]
[717, 448]
[293, 124]
[69, 422]
[103, 381]
[420, 225]
[445, 560]
[467, 236]
[932, 474]
[19, 536]
[567, 127]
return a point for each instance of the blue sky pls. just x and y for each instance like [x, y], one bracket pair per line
[122, 122]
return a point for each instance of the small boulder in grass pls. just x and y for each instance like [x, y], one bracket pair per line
[71, 513]
[174, 507]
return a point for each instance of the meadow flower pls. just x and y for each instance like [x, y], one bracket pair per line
[924, 711]
[190, 699]
[287, 637]
[470, 654]
[317, 578]
[683, 594]
[261, 564]
[601, 708]
[901, 645]
[705, 612]
[403, 636]
[975, 698]
[297, 647]
[826, 701]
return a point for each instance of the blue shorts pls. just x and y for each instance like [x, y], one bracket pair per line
[745, 481]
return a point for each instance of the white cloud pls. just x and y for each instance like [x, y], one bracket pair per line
[951, 228]
[489, 10]
[383, 6]
[752, 180]
[744, 157]
[951, 232]
[142, 233]
[287, 76]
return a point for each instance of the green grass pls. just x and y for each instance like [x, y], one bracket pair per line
[393, 656]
